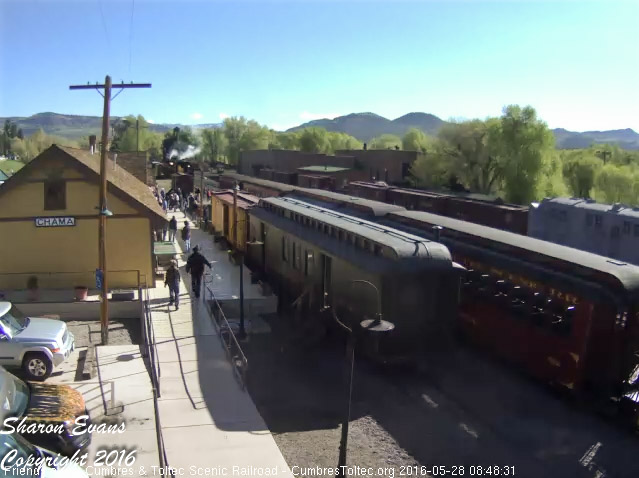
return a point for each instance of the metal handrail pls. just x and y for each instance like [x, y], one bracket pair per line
[151, 349]
[232, 347]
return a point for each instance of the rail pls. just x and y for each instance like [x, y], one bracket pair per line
[229, 341]
[150, 349]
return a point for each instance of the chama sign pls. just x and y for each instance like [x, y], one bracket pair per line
[54, 221]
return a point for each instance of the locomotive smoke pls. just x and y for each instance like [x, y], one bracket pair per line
[189, 153]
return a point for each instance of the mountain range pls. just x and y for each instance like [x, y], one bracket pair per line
[74, 126]
[363, 126]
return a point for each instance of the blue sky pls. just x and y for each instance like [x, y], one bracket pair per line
[284, 63]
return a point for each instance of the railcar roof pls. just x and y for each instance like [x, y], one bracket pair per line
[619, 209]
[283, 187]
[627, 274]
[405, 245]
[376, 208]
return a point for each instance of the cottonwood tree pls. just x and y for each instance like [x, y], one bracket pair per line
[386, 141]
[472, 154]
[579, 172]
[433, 170]
[416, 140]
[214, 144]
[616, 184]
[521, 142]
[285, 140]
[314, 140]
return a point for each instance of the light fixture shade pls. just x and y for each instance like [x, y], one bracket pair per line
[106, 212]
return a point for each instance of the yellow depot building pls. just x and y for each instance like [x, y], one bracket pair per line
[49, 223]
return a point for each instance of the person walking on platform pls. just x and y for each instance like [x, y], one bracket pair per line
[195, 266]
[172, 280]
[172, 229]
[186, 236]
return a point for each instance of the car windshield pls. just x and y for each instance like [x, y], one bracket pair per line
[16, 398]
[23, 450]
[14, 321]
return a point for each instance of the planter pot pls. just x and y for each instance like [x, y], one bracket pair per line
[81, 292]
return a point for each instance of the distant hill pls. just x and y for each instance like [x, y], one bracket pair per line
[73, 126]
[625, 138]
[365, 126]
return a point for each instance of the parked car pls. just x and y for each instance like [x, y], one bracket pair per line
[24, 450]
[35, 344]
[57, 406]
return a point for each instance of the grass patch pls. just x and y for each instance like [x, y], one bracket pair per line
[10, 166]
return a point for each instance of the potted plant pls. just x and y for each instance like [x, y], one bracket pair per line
[32, 287]
[81, 292]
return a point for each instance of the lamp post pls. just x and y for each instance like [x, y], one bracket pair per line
[376, 325]
[240, 253]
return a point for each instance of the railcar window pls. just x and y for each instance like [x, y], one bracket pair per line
[377, 250]
[325, 229]
[598, 221]
[588, 219]
[340, 235]
[626, 227]
[636, 230]
[562, 321]
[297, 253]
[284, 250]
[614, 232]
[365, 245]
[309, 262]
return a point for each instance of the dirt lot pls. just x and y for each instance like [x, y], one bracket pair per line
[121, 332]
[456, 409]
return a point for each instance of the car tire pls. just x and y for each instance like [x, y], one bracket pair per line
[37, 366]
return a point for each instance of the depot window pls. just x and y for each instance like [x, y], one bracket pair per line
[55, 195]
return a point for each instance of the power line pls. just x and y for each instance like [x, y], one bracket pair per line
[106, 33]
[131, 33]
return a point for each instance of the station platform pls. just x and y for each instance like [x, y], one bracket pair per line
[207, 420]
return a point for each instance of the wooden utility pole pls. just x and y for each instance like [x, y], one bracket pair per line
[102, 199]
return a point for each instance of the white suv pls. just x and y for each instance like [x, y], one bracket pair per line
[35, 344]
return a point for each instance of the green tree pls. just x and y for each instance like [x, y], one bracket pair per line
[616, 184]
[339, 141]
[521, 141]
[315, 140]
[432, 170]
[133, 134]
[243, 135]
[285, 140]
[579, 171]
[386, 141]
[214, 144]
[471, 155]
[416, 140]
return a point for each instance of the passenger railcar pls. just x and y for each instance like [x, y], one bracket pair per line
[566, 316]
[312, 254]
[477, 208]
